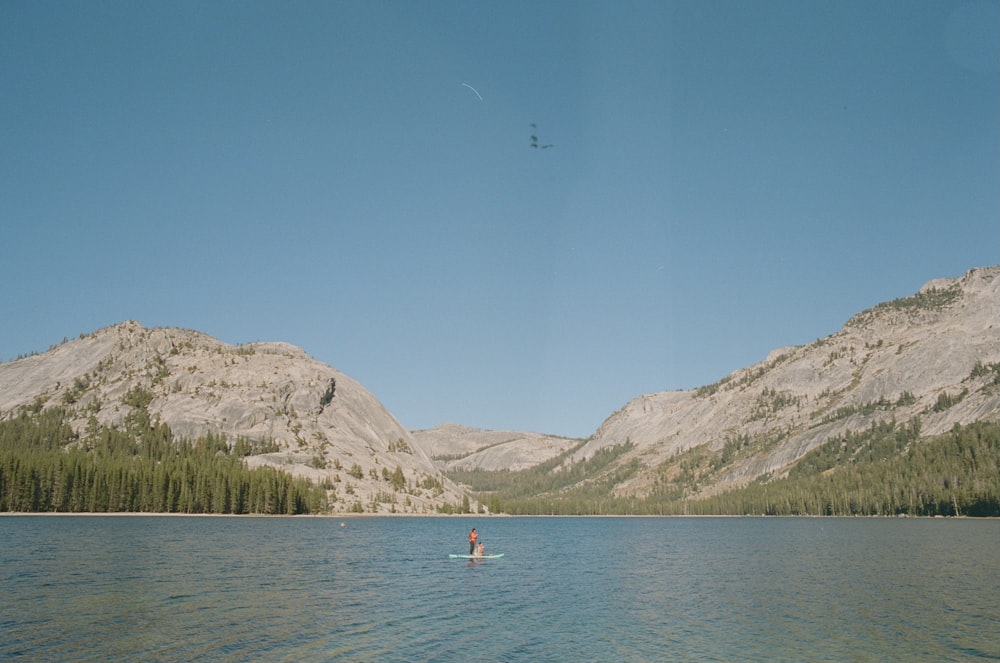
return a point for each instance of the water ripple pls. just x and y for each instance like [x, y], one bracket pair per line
[237, 589]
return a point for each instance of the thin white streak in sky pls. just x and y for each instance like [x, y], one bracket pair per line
[474, 90]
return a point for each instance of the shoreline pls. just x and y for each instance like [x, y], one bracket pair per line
[334, 516]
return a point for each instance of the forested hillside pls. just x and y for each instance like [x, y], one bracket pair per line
[307, 420]
[894, 414]
[888, 470]
[46, 467]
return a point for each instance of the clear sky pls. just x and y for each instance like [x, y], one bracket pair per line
[358, 178]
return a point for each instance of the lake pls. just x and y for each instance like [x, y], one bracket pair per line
[152, 588]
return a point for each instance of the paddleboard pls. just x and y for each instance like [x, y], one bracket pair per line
[476, 556]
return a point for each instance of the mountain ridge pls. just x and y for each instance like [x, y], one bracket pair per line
[932, 359]
[895, 360]
[663, 424]
[326, 425]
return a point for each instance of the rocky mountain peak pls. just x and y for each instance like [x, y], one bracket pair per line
[934, 356]
[323, 424]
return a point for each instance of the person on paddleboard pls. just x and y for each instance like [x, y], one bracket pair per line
[472, 540]
[482, 549]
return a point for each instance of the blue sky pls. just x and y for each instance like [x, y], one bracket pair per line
[726, 178]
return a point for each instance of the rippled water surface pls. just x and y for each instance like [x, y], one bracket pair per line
[567, 589]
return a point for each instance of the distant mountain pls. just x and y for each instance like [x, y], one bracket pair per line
[324, 424]
[455, 447]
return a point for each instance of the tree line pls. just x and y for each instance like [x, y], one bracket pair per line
[47, 467]
[887, 470]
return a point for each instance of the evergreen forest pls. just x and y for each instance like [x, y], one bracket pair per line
[46, 467]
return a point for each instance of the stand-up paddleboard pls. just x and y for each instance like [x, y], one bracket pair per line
[476, 556]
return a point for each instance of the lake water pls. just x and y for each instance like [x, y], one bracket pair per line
[123, 588]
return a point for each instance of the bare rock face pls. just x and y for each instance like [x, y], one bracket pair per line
[455, 447]
[325, 425]
[932, 356]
